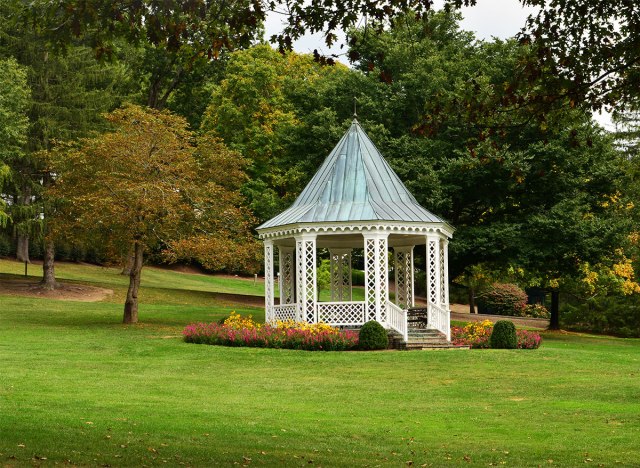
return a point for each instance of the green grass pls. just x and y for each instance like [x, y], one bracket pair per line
[77, 387]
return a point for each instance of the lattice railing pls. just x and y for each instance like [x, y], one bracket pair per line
[342, 313]
[397, 320]
[439, 319]
[283, 312]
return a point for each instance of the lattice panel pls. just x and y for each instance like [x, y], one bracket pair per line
[341, 313]
[432, 267]
[300, 279]
[284, 312]
[286, 277]
[268, 279]
[383, 279]
[306, 279]
[370, 278]
[310, 281]
[347, 287]
[404, 278]
[340, 268]
[443, 278]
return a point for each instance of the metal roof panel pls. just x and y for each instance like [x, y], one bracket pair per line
[354, 183]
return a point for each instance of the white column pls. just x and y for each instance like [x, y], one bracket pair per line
[287, 264]
[376, 276]
[433, 269]
[403, 264]
[268, 281]
[340, 275]
[444, 274]
[306, 287]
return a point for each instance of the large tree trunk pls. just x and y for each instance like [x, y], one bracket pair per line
[472, 300]
[131, 304]
[129, 261]
[22, 248]
[48, 268]
[554, 322]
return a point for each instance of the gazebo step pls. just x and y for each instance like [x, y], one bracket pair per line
[415, 346]
[420, 339]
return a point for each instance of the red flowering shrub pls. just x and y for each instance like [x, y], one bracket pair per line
[267, 336]
[477, 334]
[503, 299]
[528, 339]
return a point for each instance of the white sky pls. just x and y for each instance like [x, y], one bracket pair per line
[489, 18]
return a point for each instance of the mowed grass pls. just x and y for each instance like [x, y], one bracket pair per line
[159, 284]
[78, 387]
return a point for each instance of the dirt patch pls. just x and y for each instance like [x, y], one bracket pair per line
[64, 292]
[227, 299]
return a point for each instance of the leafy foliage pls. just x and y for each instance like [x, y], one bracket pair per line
[14, 99]
[611, 315]
[503, 299]
[148, 184]
[373, 336]
[477, 335]
[504, 335]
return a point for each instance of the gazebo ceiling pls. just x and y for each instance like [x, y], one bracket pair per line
[354, 240]
[354, 183]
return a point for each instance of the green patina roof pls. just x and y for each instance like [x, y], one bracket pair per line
[354, 183]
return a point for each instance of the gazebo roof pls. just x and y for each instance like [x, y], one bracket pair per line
[354, 183]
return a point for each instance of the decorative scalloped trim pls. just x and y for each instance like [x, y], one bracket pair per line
[290, 231]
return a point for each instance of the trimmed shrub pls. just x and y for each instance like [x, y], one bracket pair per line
[373, 336]
[504, 335]
[503, 299]
[528, 339]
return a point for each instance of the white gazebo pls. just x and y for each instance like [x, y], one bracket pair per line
[356, 201]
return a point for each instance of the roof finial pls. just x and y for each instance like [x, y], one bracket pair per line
[355, 107]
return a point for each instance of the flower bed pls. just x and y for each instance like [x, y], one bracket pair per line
[476, 335]
[244, 331]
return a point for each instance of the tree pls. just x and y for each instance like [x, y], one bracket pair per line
[14, 99]
[147, 184]
[521, 192]
[627, 132]
[583, 53]
[68, 94]
[271, 108]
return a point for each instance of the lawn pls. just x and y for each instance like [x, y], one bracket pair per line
[77, 387]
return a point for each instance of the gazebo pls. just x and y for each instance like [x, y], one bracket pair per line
[356, 201]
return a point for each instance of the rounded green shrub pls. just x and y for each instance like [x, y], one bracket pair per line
[503, 299]
[373, 336]
[504, 335]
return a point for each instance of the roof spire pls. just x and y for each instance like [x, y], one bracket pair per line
[355, 108]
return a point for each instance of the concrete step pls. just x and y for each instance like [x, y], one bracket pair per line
[421, 339]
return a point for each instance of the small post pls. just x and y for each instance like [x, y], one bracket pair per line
[25, 267]
[255, 279]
